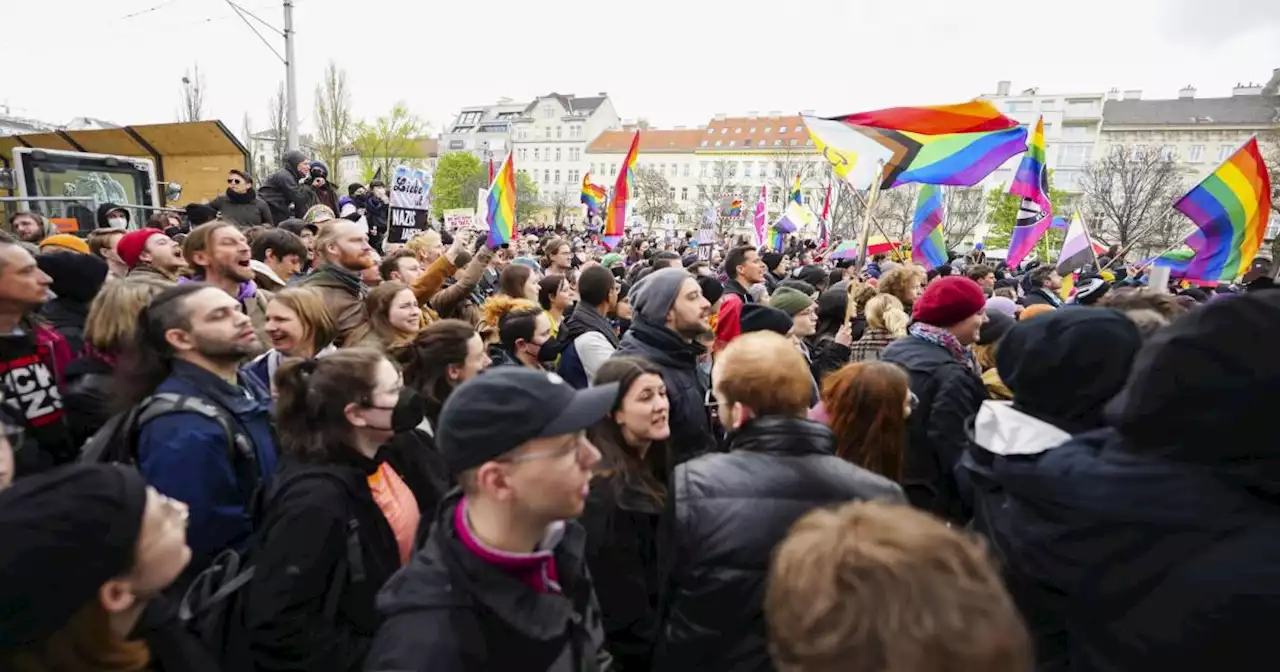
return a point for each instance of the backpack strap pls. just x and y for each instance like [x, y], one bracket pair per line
[350, 567]
[240, 448]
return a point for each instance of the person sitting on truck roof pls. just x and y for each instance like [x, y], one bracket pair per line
[240, 204]
[280, 191]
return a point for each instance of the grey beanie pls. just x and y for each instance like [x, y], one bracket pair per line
[652, 297]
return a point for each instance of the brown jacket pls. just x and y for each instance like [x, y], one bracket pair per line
[144, 272]
[453, 301]
[343, 295]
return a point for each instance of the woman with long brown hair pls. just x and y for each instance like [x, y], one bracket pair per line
[394, 317]
[624, 508]
[867, 405]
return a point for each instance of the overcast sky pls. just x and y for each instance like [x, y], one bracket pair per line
[675, 62]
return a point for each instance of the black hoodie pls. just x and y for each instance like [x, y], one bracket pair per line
[280, 191]
[1154, 542]
[108, 207]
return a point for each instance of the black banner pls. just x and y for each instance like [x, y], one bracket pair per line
[403, 224]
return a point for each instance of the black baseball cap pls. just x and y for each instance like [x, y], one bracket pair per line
[502, 408]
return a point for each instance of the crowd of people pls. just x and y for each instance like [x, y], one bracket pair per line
[260, 437]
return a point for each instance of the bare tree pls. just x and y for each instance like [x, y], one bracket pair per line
[334, 125]
[562, 202]
[653, 195]
[716, 184]
[192, 95]
[784, 165]
[965, 209]
[277, 117]
[846, 209]
[1130, 189]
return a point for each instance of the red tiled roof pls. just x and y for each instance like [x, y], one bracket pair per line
[429, 146]
[750, 134]
[651, 141]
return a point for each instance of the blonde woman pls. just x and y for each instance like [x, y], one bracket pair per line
[886, 322]
[904, 282]
[113, 315]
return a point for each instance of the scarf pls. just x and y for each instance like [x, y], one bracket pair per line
[347, 279]
[242, 199]
[586, 318]
[941, 337]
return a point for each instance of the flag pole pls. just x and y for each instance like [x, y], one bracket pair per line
[866, 216]
[1087, 236]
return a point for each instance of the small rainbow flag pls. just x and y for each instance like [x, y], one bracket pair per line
[592, 195]
[1035, 214]
[1230, 206]
[615, 226]
[928, 245]
[975, 116]
[501, 215]
[795, 192]
[735, 208]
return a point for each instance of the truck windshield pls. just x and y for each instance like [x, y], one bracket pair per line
[106, 179]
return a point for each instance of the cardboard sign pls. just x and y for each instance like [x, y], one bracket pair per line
[458, 219]
[410, 196]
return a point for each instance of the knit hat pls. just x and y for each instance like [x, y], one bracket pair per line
[1002, 304]
[948, 301]
[66, 532]
[790, 301]
[997, 325]
[771, 259]
[711, 288]
[814, 275]
[756, 317]
[199, 213]
[1033, 310]
[74, 276]
[131, 245]
[67, 241]
[610, 259]
[652, 297]
[1090, 291]
[319, 213]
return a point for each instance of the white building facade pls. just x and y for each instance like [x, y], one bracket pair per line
[1072, 127]
[483, 130]
[551, 137]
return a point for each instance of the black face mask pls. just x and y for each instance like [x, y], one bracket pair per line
[406, 414]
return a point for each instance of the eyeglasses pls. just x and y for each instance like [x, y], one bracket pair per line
[235, 181]
[573, 446]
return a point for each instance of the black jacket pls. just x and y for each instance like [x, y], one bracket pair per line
[171, 646]
[246, 209]
[280, 191]
[826, 357]
[949, 395]
[1040, 296]
[622, 524]
[731, 510]
[415, 453]
[687, 386]
[87, 396]
[304, 535]
[67, 316]
[449, 611]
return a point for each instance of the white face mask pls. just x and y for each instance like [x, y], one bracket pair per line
[117, 222]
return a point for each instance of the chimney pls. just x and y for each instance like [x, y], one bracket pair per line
[1113, 94]
[1133, 94]
[1273, 87]
[1187, 92]
[603, 94]
[1249, 89]
[719, 116]
[1002, 87]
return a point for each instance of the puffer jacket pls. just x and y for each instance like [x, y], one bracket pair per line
[731, 510]
[687, 386]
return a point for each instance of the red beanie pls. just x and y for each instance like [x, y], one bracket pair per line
[950, 300]
[131, 244]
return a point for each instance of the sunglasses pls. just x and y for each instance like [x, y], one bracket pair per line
[235, 181]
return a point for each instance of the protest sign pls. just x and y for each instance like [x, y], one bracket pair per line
[410, 195]
[458, 219]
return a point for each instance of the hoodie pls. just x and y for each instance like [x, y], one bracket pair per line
[108, 207]
[47, 226]
[1151, 543]
[280, 191]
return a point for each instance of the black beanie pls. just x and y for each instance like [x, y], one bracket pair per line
[76, 277]
[756, 317]
[771, 259]
[65, 532]
[711, 288]
[199, 213]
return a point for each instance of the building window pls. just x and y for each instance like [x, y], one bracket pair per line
[711, 131]
[1018, 106]
[719, 142]
[537, 154]
[546, 175]
[794, 142]
[782, 129]
[1167, 152]
[731, 143]
[558, 131]
[557, 153]
[746, 143]
[671, 193]
[548, 113]
[777, 143]
[724, 130]
[674, 169]
[704, 143]
[737, 130]
[702, 169]
[733, 169]
[686, 170]
[767, 129]
[753, 130]
[746, 170]
[809, 142]
[684, 193]
[1048, 104]
[613, 170]
[557, 180]
[1224, 151]
[1196, 155]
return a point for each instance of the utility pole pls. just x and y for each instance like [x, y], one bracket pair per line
[291, 78]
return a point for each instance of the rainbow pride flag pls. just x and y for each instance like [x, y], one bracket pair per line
[1178, 262]
[956, 145]
[501, 214]
[928, 245]
[1231, 207]
[592, 195]
[615, 225]
[1035, 213]
[735, 208]
[795, 192]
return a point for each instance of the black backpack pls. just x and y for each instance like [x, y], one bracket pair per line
[213, 607]
[117, 440]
